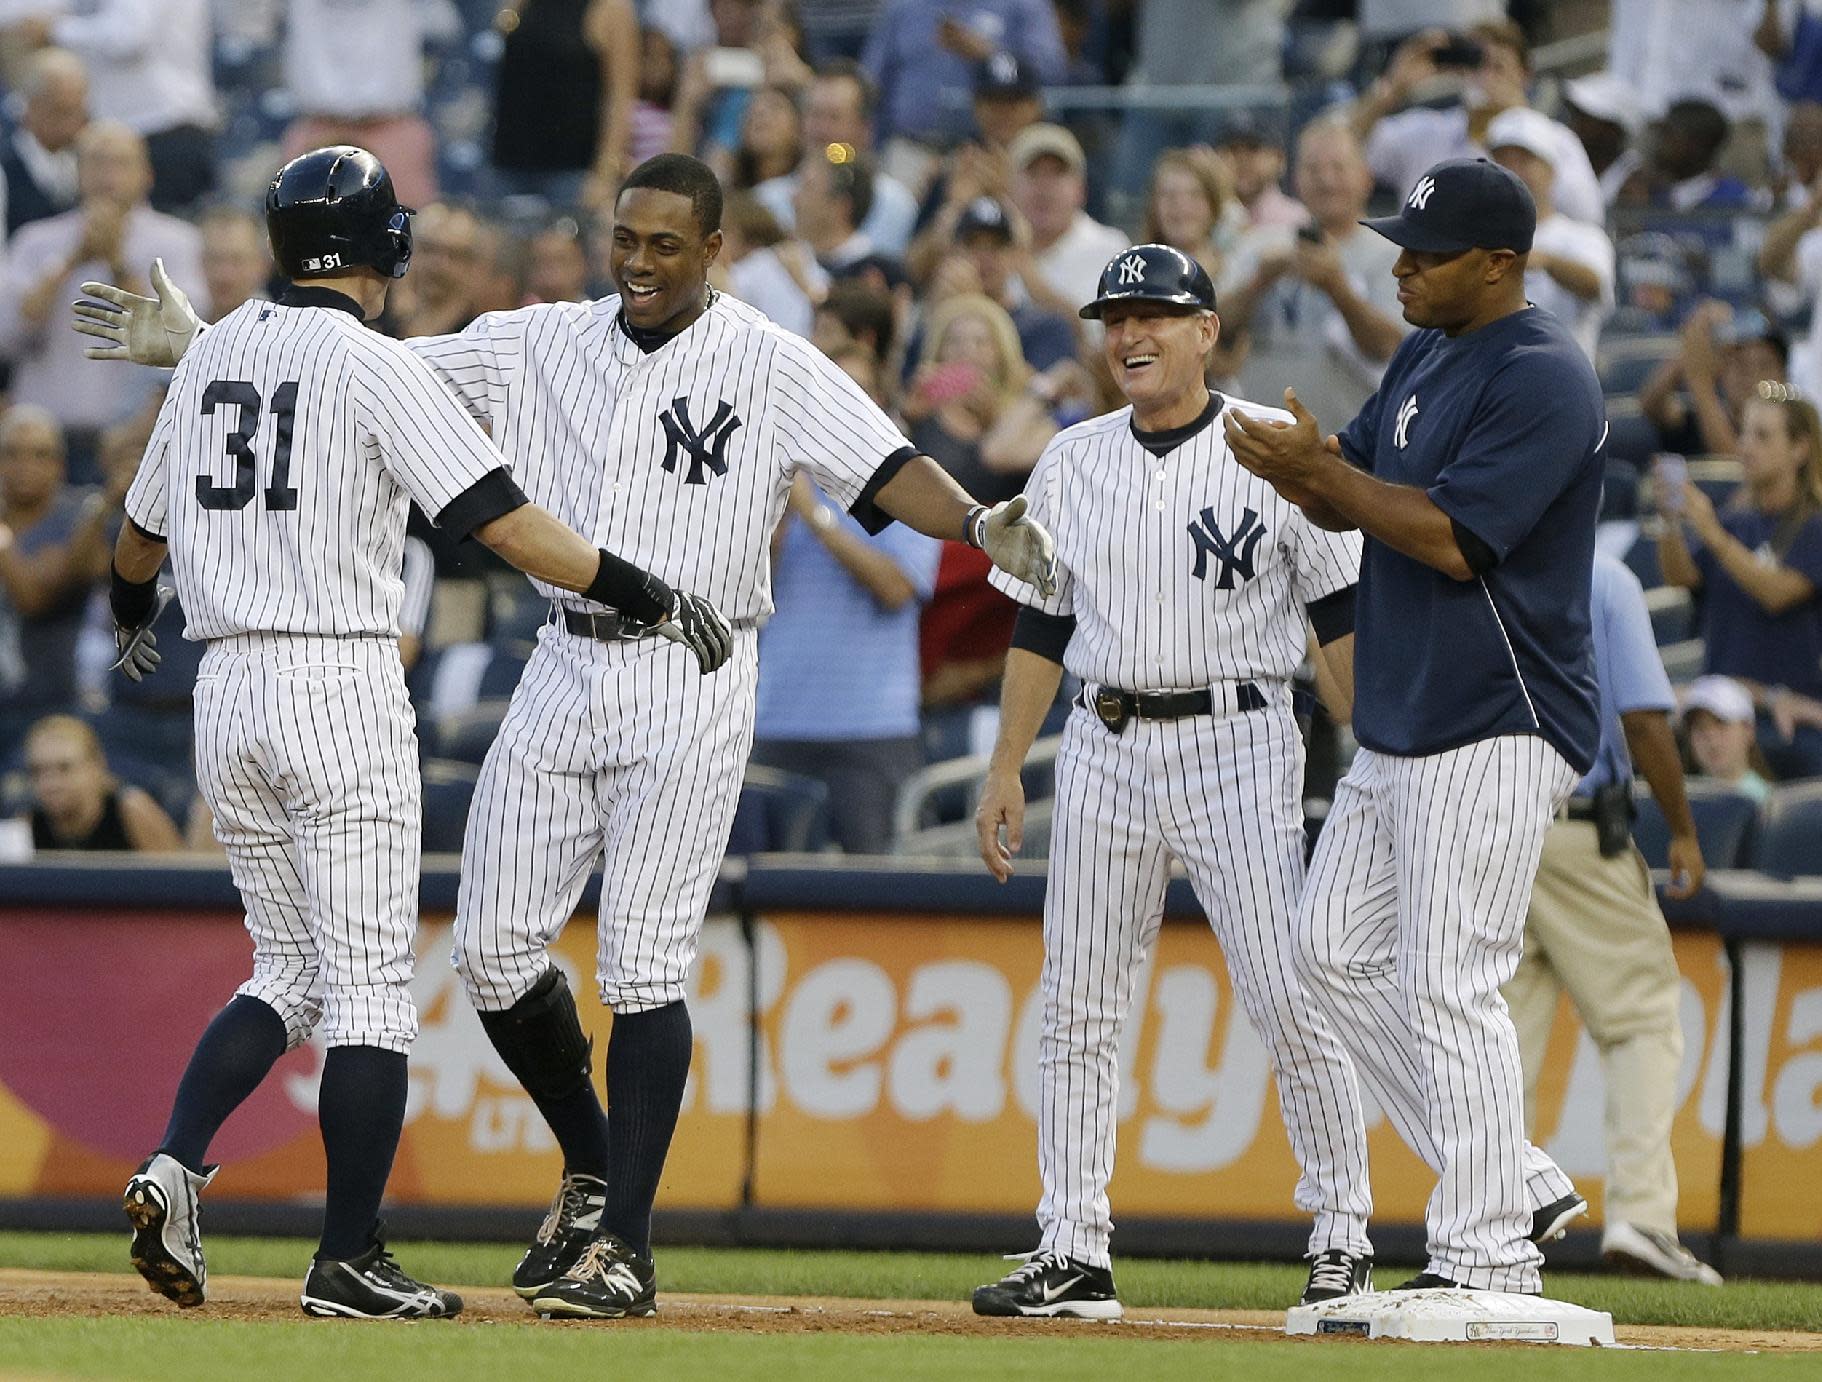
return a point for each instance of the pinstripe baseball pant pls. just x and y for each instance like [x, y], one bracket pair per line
[306, 757]
[620, 749]
[1222, 794]
[1412, 919]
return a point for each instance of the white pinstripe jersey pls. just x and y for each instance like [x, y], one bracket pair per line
[282, 468]
[680, 460]
[1181, 570]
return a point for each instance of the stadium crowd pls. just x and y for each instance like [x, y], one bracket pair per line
[928, 190]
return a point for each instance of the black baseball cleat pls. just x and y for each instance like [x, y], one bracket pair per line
[160, 1202]
[373, 1287]
[609, 1281]
[571, 1225]
[1553, 1220]
[1048, 1285]
[1430, 1281]
[1337, 1273]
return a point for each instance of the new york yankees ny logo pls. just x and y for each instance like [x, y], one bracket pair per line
[1234, 553]
[1132, 270]
[1420, 194]
[705, 448]
[1401, 432]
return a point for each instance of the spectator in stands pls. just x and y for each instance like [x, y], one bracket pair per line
[236, 258]
[356, 76]
[78, 804]
[1723, 745]
[1570, 269]
[1791, 257]
[1697, 397]
[767, 268]
[652, 130]
[112, 235]
[557, 270]
[771, 141]
[1006, 103]
[438, 295]
[856, 314]
[53, 549]
[1191, 206]
[753, 47]
[839, 107]
[1256, 156]
[1801, 162]
[1758, 563]
[1318, 307]
[838, 682]
[150, 65]
[1715, 50]
[38, 159]
[985, 239]
[1069, 247]
[1603, 112]
[563, 99]
[1679, 172]
[834, 195]
[1401, 143]
[921, 53]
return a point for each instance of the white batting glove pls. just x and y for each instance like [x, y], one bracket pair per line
[1019, 545]
[147, 331]
[138, 646]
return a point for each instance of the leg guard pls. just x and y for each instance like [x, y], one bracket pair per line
[541, 1040]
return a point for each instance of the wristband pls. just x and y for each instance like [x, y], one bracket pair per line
[632, 590]
[974, 528]
[130, 601]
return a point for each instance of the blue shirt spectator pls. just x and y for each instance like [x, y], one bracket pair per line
[1743, 638]
[1627, 668]
[922, 56]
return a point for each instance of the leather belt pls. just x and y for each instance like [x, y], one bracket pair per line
[1114, 707]
[602, 626]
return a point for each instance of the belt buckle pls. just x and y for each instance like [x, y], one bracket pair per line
[1111, 708]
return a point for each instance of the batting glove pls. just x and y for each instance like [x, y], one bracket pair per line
[138, 646]
[1019, 545]
[700, 627]
[147, 331]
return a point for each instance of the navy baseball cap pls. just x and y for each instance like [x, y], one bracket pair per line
[1004, 74]
[1463, 204]
[984, 215]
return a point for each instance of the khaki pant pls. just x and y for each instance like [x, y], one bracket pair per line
[1595, 929]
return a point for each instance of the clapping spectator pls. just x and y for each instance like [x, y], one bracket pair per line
[767, 268]
[1570, 270]
[1401, 144]
[1758, 563]
[1069, 248]
[112, 235]
[563, 98]
[1191, 207]
[38, 159]
[1718, 718]
[78, 804]
[236, 258]
[150, 68]
[1696, 399]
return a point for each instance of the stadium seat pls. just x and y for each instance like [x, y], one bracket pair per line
[1631, 435]
[466, 735]
[779, 812]
[1790, 835]
[1672, 614]
[448, 789]
[1725, 822]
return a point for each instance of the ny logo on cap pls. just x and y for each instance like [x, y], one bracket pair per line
[707, 448]
[1420, 194]
[1132, 270]
[1407, 412]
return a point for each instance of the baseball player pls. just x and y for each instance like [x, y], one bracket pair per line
[1595, 929]
[669, 421]
[1182, 590]
[279, 474]
[1474, 473]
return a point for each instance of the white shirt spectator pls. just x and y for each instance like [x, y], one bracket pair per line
[1402, 146]
[1583, 244]
[1073, 263]
[761, 280]
[149, 61]
[1669, 49]
[1806, 362]
[355, 58]
[889, 222]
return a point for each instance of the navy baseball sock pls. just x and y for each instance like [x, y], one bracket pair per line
[362, 1108]
[235, 1053]
[648, 1062]
[579, 1124]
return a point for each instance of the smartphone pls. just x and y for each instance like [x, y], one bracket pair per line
[1668, 473]
[946, 383]
[733, 67]
[1459, 52]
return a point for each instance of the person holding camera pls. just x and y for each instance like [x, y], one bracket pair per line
[1594, 928]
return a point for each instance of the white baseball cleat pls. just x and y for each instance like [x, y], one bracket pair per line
[160, 1200]
[1649, 1250]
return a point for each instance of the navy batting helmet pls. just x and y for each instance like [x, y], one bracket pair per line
[334, 209]
[1152, 273]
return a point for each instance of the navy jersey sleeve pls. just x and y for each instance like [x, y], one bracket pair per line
[1805, 554]
[1532, 431]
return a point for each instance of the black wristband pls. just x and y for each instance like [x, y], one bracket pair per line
[131, 601]
[632, 590]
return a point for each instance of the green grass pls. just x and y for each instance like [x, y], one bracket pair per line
[187, 1348]
[939, 1276]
